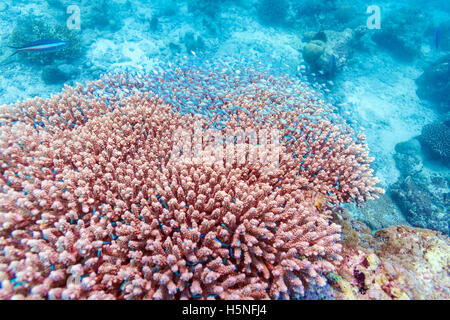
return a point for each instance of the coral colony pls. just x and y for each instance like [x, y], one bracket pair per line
[199, 180]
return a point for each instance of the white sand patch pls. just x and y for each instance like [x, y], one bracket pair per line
[280, 47]
[383, 102]
[103, 52]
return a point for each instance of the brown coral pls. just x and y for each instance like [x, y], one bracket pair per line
[399, 262]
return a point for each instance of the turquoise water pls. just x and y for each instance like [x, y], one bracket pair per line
[378, 68]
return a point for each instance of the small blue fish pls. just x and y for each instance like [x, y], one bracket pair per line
[46, 45]
[332, 66]
[436, 38]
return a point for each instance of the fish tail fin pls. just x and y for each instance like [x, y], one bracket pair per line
[6, 60]
[14, 54]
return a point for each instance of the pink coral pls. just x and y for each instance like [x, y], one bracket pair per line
[95, 204]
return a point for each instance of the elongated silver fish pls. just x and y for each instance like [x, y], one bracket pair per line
[46, 45]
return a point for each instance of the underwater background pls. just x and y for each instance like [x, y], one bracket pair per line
[383, 65]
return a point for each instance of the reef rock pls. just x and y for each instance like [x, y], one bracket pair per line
[397, 263]
[424, 200]
[313, 51]
[329, 51]
[435, 139]
[421, 192]
[402, 32]
[379, 213]
[408, 157]
[434, 83]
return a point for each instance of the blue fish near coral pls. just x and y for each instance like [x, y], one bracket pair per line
[332, 66]
[436, 38]
[46, 45]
